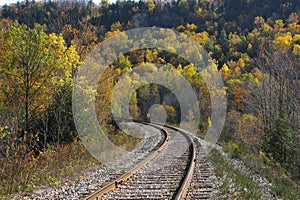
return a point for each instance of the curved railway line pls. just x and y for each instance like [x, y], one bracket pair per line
[175, 170]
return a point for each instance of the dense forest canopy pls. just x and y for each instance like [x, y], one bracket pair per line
[255, 45]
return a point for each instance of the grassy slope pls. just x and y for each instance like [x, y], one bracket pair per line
[26, 174]
[282, 184]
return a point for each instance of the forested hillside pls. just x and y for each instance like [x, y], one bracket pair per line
[255, 45]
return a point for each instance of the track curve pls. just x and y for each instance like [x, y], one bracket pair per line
[167, 173]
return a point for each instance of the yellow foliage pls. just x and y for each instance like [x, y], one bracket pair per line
[150, 5]
[294, 27]
[296, 49]
[208, 121]
[267, 28]
[180, 28]
[199, 11]
[279, 23]
[117, 26]
[225, 68]
[4, 132]
[284, 41]
[191, 26]
[65, 59]
[189, 71]
[249, 46]
[202, 37]
[118, 71]
[296, 38]
[170, 110]
[51, 63]
[57, 42]
[111, 33]
[225, 72]
[127, 69]
[241, 62]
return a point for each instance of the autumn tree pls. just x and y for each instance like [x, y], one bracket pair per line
[275, 101]
[249, 131]
[24, 71]
[34, 70]
[147, 96]
[60, 125]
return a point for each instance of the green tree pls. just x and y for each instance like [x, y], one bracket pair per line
[25, 69]
[280, 143]
[37, 70]
[122, 62]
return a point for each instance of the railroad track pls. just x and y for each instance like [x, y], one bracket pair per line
[175, 170]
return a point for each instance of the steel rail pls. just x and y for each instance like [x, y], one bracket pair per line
[184, 184]
[114, 184]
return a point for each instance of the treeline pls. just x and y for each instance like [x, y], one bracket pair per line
[255, 45]
[229, 14]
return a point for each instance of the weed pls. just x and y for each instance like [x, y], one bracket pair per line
[19, 175]
[283, 185]
[235, 184]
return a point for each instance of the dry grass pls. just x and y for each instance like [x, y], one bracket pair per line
[24, 174]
